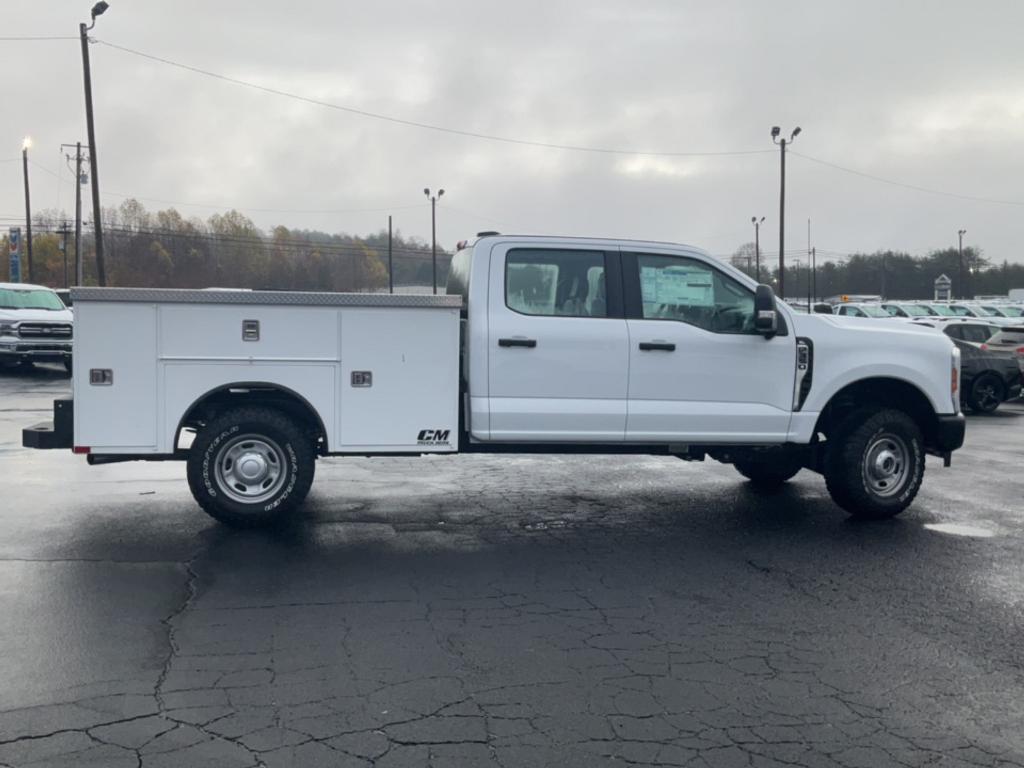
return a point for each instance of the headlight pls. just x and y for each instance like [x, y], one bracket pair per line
[7, 329]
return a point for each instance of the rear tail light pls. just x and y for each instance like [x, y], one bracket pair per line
[984, 346]
[1019, 351]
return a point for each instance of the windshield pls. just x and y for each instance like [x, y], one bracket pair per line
[983, 312]
[915, 311]
[1012, 311]
[873, 311]
[29, 298]
[945, 310]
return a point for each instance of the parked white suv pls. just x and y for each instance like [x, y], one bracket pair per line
[35, 326]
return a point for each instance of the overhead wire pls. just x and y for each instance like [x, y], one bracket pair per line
[417, 123]
[914, 187]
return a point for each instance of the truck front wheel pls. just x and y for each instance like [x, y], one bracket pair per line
[874, 463]
[250, 467]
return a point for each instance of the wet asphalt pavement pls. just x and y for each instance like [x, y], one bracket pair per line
[508, 611]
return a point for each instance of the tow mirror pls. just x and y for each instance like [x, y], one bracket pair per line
[766, 315]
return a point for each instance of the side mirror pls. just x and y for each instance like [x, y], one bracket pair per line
[766, 316]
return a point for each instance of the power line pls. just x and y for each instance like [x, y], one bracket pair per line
[29, 38]
[417, 124]
[914, 187]
[267, 210]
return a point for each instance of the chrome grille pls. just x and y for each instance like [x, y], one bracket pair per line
[44, 330]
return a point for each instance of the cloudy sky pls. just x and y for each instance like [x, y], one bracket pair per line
[925, 93]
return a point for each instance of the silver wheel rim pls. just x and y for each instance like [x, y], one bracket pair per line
[886, 465]
[250, 469]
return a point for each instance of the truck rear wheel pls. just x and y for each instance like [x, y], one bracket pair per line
[250, 467]
[874, 463]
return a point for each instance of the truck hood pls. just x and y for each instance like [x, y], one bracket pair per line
[36, 315]
[890, 327]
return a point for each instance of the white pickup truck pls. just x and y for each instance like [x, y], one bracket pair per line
[541, 345]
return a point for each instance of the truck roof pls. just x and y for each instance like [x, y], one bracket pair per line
[596, 240]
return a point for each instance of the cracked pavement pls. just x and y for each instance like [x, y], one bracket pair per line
[507, 611]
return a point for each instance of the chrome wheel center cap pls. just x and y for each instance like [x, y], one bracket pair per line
[252, 467]
[885, 463]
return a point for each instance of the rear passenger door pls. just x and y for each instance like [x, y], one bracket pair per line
[558, 356]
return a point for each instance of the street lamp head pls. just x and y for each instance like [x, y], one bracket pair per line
[761, 221]
[753, 219]
[440, 192]
[26, 143]
[426, 191]
[796, 132]
[99, 9]
[776, 131]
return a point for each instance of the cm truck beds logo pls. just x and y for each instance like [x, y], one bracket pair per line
[433, 437]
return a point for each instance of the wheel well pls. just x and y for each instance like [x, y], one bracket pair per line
[216, 401]
[886, 393]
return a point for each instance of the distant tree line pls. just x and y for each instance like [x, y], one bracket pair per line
[891, 274]
[166, 250]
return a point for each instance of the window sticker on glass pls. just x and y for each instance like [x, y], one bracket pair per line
[680, 285]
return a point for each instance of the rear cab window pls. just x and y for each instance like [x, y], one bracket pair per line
[556, 283]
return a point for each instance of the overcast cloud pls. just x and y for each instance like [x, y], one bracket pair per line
[927, 93]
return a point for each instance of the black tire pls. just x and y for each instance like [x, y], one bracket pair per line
[874, 463]
[987, 392]
[227, 455]
[769, 469]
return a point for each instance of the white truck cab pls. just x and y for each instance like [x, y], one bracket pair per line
[542, 344]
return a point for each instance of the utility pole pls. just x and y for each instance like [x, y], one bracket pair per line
[757, 243]
[433, 230]
[28, 207]
[79, 181]
[97, 226]
[963, 286]
[64, 231]
[885, 294]
[391, 269]
[814, 272]
[782, 203]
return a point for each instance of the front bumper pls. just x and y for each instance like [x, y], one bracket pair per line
[35, 351]
[949, 432]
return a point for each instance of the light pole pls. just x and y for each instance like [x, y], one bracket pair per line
[960, 260]
[83, 32]
[782, 203]
[433, 229]
[757, 244]
[25, 144]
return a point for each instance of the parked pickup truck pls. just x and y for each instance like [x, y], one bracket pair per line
[35, 326]
[541, 345]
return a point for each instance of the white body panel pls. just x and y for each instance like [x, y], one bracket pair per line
[166, 356]
[711, 388]
[571, 387]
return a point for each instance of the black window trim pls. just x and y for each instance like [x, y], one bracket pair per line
[634, 299]
[612, 282]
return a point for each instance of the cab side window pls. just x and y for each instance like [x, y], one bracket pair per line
[678, 288]
[563, 283]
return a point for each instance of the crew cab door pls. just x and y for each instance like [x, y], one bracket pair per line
[557, 347]
[698, 372]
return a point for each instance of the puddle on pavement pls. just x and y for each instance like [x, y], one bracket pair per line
[958, 529]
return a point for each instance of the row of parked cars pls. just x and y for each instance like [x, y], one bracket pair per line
[990, 336]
